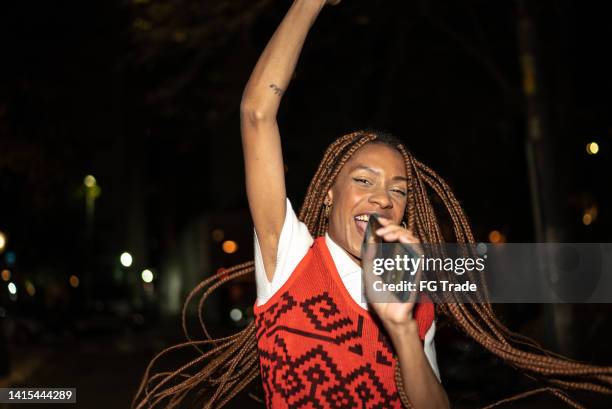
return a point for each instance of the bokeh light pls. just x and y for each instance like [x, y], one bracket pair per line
[74, 281]
[589, 215]
[89, 181]
[2, 241]
[12, 288]
[147, 276]
[6, 275]
[236, 314]
[126, 259]
[11, 258]
[218, 235]
[30, 289]
[230, 246]
[497, 237]
[592, 148]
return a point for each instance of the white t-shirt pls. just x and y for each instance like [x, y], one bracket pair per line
[293, 244]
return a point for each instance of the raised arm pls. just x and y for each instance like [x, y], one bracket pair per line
[263, 158]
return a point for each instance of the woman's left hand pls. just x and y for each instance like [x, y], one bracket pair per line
[397, 315]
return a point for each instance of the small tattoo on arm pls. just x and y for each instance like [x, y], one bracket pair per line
[277, 90]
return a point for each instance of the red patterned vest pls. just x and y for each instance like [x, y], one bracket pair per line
[320, 349]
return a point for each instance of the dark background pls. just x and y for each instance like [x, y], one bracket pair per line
[144, 95]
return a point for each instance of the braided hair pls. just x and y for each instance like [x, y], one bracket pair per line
[226, 366]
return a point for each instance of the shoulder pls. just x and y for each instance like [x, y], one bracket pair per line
[294, 241]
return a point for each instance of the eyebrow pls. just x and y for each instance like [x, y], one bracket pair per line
[369, 169]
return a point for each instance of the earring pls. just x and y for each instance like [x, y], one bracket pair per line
[404, 224]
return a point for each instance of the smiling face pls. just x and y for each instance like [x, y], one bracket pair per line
[372, 181]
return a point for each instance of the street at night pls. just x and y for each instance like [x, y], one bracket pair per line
[144, 142]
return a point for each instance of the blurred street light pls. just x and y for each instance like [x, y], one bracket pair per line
[89, 181]
[592, 148]
[2, 241]
[30, 289]
[74, 281]
[236, 314]
[497, 237]
[92, 191]
[230, 246]
[589, 215]
[147, 276]
[11, 258]
[217, 235]
[6, 274]
[126, 259]
[12, 288]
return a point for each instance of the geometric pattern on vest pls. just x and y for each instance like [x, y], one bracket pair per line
[304, 381]
[318, 348]
[324, 316]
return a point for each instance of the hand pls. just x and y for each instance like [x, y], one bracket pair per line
[393, 232]
[397, 315]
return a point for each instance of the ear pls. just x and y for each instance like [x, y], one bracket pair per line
[329, 198]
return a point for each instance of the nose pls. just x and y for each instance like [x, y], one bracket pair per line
[381, 197]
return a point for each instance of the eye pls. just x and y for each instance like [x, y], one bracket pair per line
[401, 192]
[362, 181]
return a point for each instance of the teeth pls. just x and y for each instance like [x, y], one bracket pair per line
[363, 217]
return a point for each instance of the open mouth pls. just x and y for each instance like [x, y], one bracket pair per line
[361, 220]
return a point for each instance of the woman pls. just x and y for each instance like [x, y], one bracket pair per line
[313, 342]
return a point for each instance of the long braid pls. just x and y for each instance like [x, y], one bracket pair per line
[226, 366]
[540, 362]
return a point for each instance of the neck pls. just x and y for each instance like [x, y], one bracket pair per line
[357, 260]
